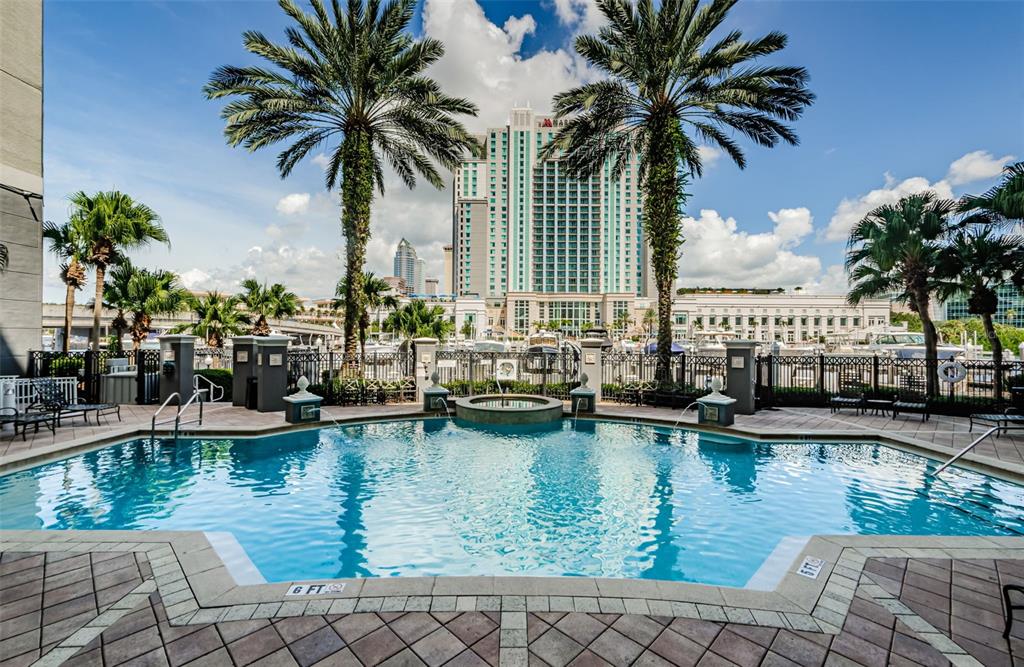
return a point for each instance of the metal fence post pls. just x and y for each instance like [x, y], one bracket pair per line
[874, 376]
[771, 378]
[821, 374]
[141, 396]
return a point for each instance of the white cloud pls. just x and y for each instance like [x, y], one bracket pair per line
[308, 271]
[321, 160]
[833, 281]
[709, 155]
[851, 211]
[293, 204]
[792, 225]
[583, 16]
[483, 62]
[976, 166]
[717, 253]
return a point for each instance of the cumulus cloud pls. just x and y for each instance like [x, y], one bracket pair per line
[709, 155]
[716, 252]
[976, 166]
[832, 281]
[851, 211]
[582, 16]
[483, 62]
[321, 160]
[293, 204]
[308, 271]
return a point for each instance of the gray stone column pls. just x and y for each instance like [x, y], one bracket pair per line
[739, 374]
[243, 367]
[591, 364]
[425, 355]
[177, 363]
[271, 372]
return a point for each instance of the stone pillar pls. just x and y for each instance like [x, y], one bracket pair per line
[271, 372]
[243, 367]
[739, 373]
[177, 361]
[425, 356]
[590, 365]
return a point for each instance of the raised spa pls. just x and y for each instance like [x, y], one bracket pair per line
[496, 409]
[432, 497]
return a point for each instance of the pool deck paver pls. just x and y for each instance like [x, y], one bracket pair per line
[56, 608]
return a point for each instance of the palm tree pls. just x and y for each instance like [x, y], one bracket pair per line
[116, 295]
[1003, 203]
[217, 317]
[4, 257]
[974, 264]
[376, 295]
[262, 302]
[109, 224]
[66, 244]
[416, 319]
[666, 88]
[352, 79]
[151, 293]
[895, 250]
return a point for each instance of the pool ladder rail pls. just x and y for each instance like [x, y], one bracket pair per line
[994, 429]
[197, 397]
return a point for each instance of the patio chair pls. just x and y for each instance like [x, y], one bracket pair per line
[852, 394]
[50, 398]
[1011, 416]
[911, 402]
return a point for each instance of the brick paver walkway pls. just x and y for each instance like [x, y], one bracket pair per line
[46, 598]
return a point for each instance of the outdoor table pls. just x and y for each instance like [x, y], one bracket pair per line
[878, 405]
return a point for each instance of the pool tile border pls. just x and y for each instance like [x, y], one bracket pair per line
[197, 587]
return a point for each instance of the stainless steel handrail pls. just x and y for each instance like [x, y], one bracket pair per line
[966, 449]
[153, 424]
[212, 389]
[197, 395]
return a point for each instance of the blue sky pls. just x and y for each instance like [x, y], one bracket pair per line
[911, 95]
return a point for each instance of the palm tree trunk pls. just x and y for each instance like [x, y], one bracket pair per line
[69, 314]
[997, 355]
[661, 222]
[97, 307]
[931, 344]
[356, 197]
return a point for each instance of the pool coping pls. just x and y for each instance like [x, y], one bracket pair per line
[197, 587]
[1003, 470]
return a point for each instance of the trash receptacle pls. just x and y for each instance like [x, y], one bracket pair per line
[251, 393]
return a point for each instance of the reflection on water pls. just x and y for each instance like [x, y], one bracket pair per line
[432, 498]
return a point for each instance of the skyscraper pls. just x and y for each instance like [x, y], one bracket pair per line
[447, 284]
[420, 277]
[521, 225]
[405, 265]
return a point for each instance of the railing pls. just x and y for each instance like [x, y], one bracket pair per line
[25, 394]
[376, 378]
[216, 391]
[974, 443]
[196, 397]
[465, 372]
[811, 380]
[88, 368]
[625, 376]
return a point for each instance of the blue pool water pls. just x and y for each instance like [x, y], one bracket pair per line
[432, 498]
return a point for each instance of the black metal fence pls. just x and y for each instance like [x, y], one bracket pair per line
[379, 377]
[812, 380]
[465, 373]
[627, 376]
[89, 367]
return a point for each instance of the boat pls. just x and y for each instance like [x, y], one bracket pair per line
[544, 342]
[599, 333]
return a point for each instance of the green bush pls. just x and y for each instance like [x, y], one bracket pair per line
[220, 377]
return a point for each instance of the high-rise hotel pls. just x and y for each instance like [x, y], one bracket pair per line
[550, 246]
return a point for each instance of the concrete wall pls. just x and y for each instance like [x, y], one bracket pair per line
[21, 167]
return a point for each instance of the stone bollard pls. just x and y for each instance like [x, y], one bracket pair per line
[590, 366]
[739, 374]
[716, 408]
[177, 363]
[425, 356]
[302, 406]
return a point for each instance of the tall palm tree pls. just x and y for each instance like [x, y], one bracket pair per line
[974, 264]
[151, 293]
[217, 317]
[895, 250]
[416, 319]
[109, 224]
[1003, 203]
[351, 79]
[116, 295]
[66, 244]
[263, 303]
[667, 88]
[5, 257]
[376, 295]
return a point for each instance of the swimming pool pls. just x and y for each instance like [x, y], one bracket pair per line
[436, 498]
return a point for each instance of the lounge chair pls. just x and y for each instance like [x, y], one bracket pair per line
[1003, 421]
[50, 398]
[911, 402]
[847, 399]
